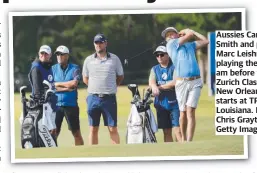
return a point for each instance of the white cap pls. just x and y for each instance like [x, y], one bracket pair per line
[62, 49]
[160, 49]
[167, 30]
[46, 49]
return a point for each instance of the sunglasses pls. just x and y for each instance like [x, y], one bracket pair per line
[161, 54]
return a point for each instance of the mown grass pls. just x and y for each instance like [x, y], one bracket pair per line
[205, 141]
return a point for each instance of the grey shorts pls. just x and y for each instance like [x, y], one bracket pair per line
[188, 93]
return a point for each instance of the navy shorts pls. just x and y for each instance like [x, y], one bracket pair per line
[71, 115]
[167, 118]
[106, 106]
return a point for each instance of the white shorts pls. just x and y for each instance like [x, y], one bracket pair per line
[188, 93]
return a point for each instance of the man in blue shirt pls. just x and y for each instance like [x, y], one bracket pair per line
[67, 76]
[163, 88]
[188, 81]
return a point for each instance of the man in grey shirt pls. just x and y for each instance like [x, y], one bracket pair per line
[102, 73]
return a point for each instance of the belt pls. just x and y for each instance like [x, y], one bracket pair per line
[188, 78]
[103, 95]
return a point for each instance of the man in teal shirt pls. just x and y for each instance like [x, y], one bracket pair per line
[188, 81]
[67, 77]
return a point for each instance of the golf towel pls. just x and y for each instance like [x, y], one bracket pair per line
[48, 118]
[135, 120]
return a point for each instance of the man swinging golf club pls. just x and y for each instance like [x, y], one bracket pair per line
[188, 81]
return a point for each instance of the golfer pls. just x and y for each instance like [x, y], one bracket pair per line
[188, 81]
[163, 88]
[102, 73]
[67, 77]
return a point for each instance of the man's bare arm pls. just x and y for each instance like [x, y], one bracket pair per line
[68, 84]
[119, 79]
[152, 83]
[185, 36]
[188, 34]
[168, 85]
[201, 40]
[85, 80]
[62, 89]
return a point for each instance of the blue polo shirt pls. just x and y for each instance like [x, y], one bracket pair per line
[183, 58]
[72, 72]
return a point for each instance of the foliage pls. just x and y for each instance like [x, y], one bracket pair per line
[128, 35]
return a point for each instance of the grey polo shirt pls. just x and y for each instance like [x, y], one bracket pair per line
[102, 73]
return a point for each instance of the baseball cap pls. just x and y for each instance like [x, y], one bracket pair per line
[100, 38]
[167, 30]
[160, 49]
[46, 49]
[62, 49]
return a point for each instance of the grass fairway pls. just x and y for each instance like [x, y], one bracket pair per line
[205, 142]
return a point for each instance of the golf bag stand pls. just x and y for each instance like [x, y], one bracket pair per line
[141, 124]
[38, 118]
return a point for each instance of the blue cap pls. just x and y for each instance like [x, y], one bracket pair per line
[100, 38]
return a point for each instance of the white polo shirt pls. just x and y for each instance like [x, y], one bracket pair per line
[102, 73]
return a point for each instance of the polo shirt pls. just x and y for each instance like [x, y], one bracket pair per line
[183, 58]
[102, 73]
[72, 72]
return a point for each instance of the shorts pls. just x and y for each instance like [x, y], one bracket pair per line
[167, 118]
[106, 106]
[188, 93]
[71, 114]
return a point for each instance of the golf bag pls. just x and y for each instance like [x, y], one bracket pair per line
[141, 124]
[38, 118]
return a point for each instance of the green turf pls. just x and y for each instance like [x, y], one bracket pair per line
[205, 141]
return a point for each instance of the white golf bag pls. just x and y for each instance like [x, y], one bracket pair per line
[37, 119]
[141, 124]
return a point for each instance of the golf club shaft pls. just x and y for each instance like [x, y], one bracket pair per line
[24, 109]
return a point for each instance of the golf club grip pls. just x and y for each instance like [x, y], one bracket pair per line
[147, 94]
[24, 109]
[48, 84]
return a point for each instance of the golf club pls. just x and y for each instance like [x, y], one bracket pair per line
[163, 43]
[48, 94]
[134, 89]
[23, 100]
[49, 86]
